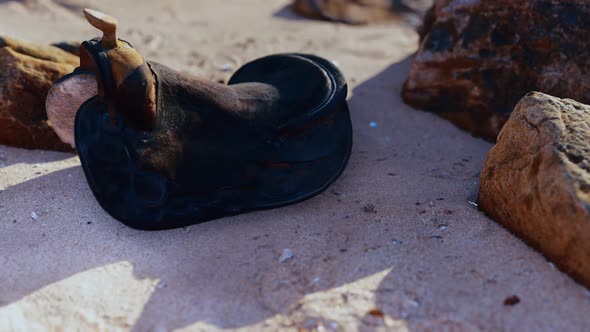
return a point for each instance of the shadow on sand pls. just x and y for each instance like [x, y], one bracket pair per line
[23, 156]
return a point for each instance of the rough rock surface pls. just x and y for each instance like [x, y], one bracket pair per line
[478, 58]
[43, 52]
[360, 11]
[536, 180]
[26, 74]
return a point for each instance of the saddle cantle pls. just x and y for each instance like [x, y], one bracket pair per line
[161, 149]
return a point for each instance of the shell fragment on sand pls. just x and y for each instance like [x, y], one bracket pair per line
[65, 98]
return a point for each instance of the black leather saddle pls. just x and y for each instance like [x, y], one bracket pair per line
[277, 134]
[161, 149]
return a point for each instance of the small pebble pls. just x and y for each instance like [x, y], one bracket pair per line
[512, 300]
[376, 313]
[442, 227]
[226, 67]
[472, 203]
[34, 216]
[369, 208]
[412, 303]
[373, 124]
[286, 255]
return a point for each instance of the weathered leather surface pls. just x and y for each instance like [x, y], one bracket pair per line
[280, 135]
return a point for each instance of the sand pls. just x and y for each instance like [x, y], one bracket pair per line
[394, 244]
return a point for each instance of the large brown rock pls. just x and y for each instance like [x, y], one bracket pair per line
[360, 11]
[536, 180]
[53, 53]
[478, 58]
[27, 71]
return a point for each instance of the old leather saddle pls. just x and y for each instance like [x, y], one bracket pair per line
[161, 149]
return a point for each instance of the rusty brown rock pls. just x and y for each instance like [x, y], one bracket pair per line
[25, 79]
[536, 180]
[42, 52]
[360, 11]
[478, 58]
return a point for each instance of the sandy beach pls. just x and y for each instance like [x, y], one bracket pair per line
[395, 244]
